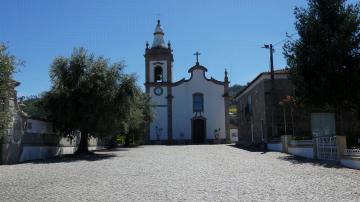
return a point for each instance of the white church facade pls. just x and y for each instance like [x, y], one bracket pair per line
[188, 111]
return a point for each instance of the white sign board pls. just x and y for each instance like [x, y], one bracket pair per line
[234, 135]
[39, 127]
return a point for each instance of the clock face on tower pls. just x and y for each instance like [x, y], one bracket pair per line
[158, 91]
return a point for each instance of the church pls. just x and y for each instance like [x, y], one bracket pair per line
[188, 111]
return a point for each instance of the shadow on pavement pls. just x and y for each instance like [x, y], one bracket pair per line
[293, 159]
[125, 148]
[301, 160]
[179, 145]
[250, 148]
[119, 148]
[113, 149]
[73, 158]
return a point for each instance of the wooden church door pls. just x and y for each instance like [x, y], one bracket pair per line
[198, 131]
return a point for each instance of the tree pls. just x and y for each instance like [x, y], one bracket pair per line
[325, 60]
[233, 113]
[31, 105]
[235, 89]
[8, 64]
[139, 112]
[89, 95]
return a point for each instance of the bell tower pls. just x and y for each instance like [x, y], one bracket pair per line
[158, 81]
[158, 59]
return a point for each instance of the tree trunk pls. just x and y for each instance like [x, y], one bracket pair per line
[113, 142]
[127, 140]
[83, 145]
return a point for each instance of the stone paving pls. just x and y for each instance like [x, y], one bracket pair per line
[179, 173]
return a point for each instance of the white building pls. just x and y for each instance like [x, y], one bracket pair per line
[192, 110]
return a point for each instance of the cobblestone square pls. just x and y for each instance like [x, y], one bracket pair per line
[179, 173]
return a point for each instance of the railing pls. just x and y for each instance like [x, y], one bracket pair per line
[352, 152]
[301, 142]
[326, 148]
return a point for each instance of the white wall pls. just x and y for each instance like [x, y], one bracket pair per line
[42, 152]
[158, 100]
[214, 106]
[158, 128]
[275, 147]
[64, 146]
[351, 163]
[307, 152]
[159, 125]
[40, 127]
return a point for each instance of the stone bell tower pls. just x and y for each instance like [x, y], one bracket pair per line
[158, 80]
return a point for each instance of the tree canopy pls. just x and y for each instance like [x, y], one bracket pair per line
[8, 65]
[90, 95]
[31, 105]
[325, 59]
[236, 88]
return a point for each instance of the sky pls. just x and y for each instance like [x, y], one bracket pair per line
[228, 34]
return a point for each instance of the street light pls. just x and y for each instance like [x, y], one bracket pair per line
[273, 102]
[270, 47]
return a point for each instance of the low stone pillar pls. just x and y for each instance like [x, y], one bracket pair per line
[285, 141]
[340, 146]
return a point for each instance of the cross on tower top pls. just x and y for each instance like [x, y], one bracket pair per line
[197, 57]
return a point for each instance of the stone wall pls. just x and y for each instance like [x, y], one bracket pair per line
[27, 139]
[265, 121]
[37, 140]
[251, 117]
[3, 116]
[13, 131]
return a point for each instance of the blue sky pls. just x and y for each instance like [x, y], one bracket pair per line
[228, 33]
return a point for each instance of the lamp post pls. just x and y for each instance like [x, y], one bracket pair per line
[270, 47]
[272, 98]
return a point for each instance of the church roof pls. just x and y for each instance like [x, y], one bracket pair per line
[197, 66]
[158, 41]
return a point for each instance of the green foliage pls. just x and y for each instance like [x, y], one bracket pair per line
[139, 112]
[233, 115]
[32, 107]
[325, 59]
[232, 109]
[8, 64]
[120, 139]
[93, 96]
[233, 90]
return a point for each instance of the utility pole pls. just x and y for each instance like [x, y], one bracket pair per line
[270, 47]
[272, 98]
[271, 63]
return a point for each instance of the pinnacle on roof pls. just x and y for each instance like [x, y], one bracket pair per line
[158, 37]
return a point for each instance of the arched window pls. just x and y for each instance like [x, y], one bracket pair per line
[198, 102]
[158, 74]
